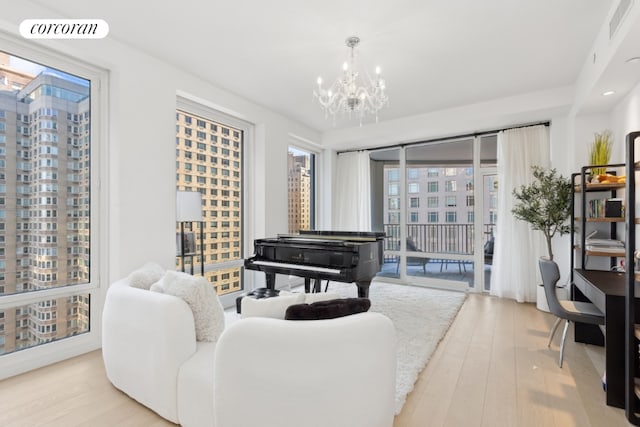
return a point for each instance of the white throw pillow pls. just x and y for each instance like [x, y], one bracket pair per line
[146, 275]
[274, 307]
[201, 296]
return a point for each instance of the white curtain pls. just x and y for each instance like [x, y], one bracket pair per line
[352, 189]
[515, 273]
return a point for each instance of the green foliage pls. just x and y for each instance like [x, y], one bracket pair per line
[545, 203]
[600, 152]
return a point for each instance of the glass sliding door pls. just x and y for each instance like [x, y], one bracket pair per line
[386, 206]
[439, 200]
[438, 223]
[488, 205]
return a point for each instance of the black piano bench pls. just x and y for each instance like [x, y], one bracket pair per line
[257, 294]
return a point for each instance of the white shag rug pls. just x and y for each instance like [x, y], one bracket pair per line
[421, 316]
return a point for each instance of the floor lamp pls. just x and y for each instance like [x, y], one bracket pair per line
[189, 210]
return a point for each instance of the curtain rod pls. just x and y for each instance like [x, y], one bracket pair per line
[448, 138]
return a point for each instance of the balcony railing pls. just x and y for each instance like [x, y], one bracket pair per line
[437, 238]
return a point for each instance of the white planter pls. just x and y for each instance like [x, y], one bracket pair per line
[541, 299]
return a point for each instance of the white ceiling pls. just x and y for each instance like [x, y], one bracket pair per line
[434, 54]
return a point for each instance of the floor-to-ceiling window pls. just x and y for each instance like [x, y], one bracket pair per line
[301, 189]
[434, 215]
[209, 159]
[49, 204]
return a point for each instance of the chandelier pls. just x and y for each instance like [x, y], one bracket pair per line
[352, 94]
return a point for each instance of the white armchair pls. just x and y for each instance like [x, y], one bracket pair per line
[277, 373]
[261, 372]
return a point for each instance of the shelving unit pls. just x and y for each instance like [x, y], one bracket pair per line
[632, 323]
[582, 188]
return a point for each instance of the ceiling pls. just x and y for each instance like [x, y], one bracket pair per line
[434, 54]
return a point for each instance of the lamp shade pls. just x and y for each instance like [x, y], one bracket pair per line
[188, 206]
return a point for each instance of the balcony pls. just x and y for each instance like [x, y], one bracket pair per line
[446, 244]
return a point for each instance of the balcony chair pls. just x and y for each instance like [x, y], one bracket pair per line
[570, 311]
[411, 260]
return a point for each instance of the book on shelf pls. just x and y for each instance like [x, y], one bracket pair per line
[605, 208]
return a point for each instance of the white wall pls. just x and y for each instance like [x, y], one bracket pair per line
[141, 145]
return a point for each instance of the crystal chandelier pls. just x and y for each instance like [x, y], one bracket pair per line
[352, 94]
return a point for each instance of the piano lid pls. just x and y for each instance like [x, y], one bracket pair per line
[353, 236]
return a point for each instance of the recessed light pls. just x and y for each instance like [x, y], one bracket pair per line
[609, 92]
[634, 60]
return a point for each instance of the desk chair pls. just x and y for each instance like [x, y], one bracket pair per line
[571, 311]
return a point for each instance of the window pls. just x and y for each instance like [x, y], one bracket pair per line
[470, 201]
[450, 201]
[450, 171]
[450, 186]
[469, 185]
[450, 217]
[432, 186]
[415, 202]
[432, 172]
[394, 218]
[414, 187]
[50, 280]
[413, 173]
[394, 189]
[470, 217]
[394, 203]
[394, 174]
[432, 201]
[432, 217]
[215, 203]
[301, 189]
[413, 216]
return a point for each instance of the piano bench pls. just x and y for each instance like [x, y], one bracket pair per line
[257, 294]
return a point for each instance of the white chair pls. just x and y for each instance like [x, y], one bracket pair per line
[261, 371]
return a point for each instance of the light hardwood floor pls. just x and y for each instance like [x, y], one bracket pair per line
[492, 368]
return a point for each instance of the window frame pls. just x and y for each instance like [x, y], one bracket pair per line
[198, 107]
[41, 355]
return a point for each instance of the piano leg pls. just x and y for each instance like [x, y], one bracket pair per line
[317, 286]
[307, 285]
[271, 280]
[363, 288]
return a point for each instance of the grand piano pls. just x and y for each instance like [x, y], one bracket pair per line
[340, 256]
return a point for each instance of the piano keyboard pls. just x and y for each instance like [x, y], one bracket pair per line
[298, 267]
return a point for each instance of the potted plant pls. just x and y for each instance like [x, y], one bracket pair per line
[546, 205]
[600, 153]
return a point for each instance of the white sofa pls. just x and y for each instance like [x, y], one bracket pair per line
[262, 372]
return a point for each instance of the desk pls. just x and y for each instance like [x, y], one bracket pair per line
[606, 290]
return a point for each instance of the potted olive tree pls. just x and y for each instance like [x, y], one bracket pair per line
[546, 205]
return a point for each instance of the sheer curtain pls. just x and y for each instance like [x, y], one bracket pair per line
[515, 272]
[352, 189]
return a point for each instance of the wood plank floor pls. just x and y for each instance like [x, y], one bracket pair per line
[492, 368]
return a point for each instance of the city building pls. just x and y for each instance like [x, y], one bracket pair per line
[209, 160]
[299, 192]
[44, 202]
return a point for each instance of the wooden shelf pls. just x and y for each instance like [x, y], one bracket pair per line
[601, 187]
[605, 219]
[619, 254]
[578, 218]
